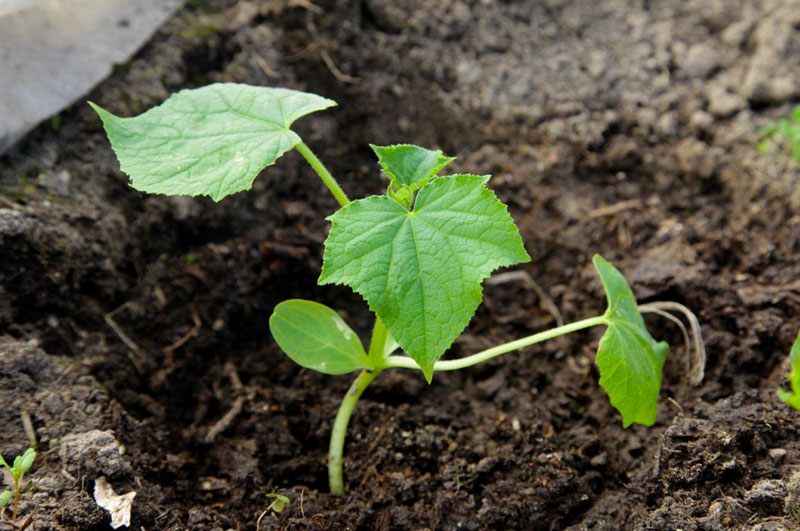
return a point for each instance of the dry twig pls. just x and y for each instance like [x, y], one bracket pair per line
[135, 353]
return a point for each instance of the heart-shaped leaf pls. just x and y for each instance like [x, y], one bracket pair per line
[210, 141]
[421, 270]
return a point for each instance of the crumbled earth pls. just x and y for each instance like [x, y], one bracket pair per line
[134, 326]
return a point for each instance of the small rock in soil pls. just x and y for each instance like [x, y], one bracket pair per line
[724, 514]
[94, 453]
[12, 223]
[722, 103]
[701, 60]
[767, 496]
[777, 454]
[792, 504]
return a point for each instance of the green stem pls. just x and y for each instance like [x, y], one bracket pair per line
[377, 347]
[339, 431]
[16, 499]
[404, 362]
[376, 350]
[378, 342]
[323, 173]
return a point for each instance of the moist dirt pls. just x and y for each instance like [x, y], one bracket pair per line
[134, 327]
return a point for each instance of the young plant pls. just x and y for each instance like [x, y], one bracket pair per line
[22, 463]
[417, 254]
[279, 502]
[785, 133]
[793, 397]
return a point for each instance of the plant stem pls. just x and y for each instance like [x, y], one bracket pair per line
[376, 350]
[339, 431]
[323, 173]
[404, 362]
[377, 347]
[378, 341]
[16, 499]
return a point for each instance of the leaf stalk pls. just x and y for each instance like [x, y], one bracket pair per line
[404, 362]
[323, 173]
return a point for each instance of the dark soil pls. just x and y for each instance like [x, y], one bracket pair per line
[619, 127]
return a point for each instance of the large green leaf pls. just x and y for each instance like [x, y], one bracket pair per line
[409, 165]
[793, 397]
[316, 337]
[630, 360]
[421, 271]
[210, 141]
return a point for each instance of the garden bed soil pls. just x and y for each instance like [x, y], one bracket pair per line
[135, 327]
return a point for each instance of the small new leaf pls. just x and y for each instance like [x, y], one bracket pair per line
[5, 497]
[27, 460]
[316, 337]
[793, 397]
[210, 141]
[630, 360]
[279, 502]
[421, 271]
[16, 468]
[409, 165]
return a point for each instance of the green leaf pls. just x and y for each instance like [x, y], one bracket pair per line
[630, 360]
[390, 345]
[796, 150]
[409, 165]
[317, 338]
[27, 460]
[785, 128]
[796, 114]
[421, 271]
[210, 141]
[279, 502]
[768, 130]
[5, 497]
[793, 397]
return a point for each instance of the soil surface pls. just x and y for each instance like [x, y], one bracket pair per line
[134, 327]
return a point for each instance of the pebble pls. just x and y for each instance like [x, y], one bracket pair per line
[766, 496]
[94, 453]
[700, 121]
[722, 103]
[777, 454]
[701, 59]
[770, 91]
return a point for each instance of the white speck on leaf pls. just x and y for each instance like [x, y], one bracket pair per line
[344, 329]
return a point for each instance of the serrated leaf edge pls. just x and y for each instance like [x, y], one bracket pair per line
[483, 179]
[422, 182]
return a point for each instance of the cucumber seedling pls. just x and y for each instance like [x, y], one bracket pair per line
[21, 465]
[417, 254]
